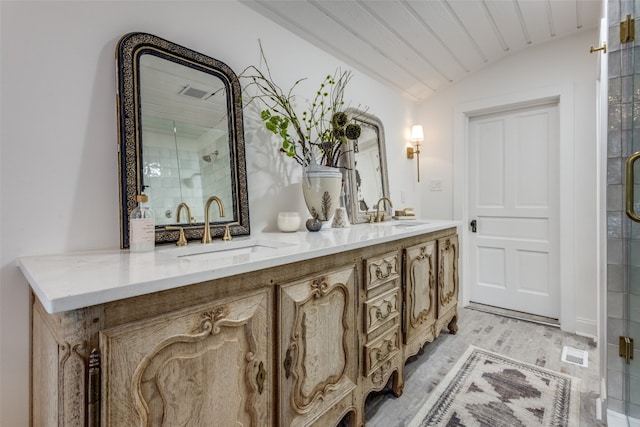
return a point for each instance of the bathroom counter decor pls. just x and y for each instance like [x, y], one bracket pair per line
[74, 280]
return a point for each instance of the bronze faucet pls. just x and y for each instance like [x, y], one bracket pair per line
[380, 218]
[206, 235]
[184, 206]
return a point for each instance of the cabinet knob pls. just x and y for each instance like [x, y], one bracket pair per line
[287, 364]
[260, 377]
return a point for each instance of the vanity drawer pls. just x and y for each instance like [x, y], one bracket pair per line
[377, 352]
[381, 269]
[382, 309]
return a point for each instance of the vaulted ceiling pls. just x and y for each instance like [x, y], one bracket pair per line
[420, 47]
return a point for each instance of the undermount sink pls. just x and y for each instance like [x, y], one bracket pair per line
[218, 249]
[403, 223]
[408, 223]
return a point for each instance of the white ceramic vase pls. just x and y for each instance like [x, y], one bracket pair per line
[321, 187]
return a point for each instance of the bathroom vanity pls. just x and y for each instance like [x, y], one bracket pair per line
[276, 329]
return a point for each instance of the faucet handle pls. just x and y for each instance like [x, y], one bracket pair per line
[227, 235]
[182, 241]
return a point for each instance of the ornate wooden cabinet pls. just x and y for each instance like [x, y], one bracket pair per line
[294, 345]
[447, 284]
[182, 367]
[209, 362]
[419, 295]
[317, 353]
[430, 291]
[381, 335]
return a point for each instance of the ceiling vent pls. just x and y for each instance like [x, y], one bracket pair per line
[193, 92]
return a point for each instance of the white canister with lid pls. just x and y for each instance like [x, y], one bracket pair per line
[288, 221]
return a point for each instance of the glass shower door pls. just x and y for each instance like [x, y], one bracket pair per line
[622, 365]
[631, 305]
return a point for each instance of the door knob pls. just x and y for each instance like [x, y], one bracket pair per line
[474, 226]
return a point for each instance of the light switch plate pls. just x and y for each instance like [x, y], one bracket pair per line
[435, 185]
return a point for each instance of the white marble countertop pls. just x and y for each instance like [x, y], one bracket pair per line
[75, 280]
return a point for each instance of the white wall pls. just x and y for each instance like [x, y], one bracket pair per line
[59, 183]
[561, 67]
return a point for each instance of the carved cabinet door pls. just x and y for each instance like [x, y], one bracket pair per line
[447, 274]
[202, 366]
[420, 292]
[317, 353]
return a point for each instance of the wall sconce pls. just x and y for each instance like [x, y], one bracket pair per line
[417, 136]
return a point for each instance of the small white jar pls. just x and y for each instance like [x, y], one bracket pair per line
[288, 221]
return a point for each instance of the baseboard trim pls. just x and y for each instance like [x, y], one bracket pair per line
[513, 314]
[587, 328]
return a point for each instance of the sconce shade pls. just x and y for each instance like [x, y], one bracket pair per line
[417, 136]
[416, 133]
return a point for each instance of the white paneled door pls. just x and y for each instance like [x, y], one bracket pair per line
[513, 208]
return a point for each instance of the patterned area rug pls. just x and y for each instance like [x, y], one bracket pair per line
[487, 389]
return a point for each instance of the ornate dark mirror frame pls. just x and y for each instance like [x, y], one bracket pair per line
[130, 48]
[371, 122]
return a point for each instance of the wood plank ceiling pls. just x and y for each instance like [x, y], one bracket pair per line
[420, 47]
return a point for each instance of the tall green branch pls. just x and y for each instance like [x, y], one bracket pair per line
[316, 133]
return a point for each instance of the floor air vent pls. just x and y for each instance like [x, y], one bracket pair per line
[575, 356]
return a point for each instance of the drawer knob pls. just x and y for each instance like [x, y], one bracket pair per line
[380, 315]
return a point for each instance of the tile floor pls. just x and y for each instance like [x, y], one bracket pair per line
[522, 340]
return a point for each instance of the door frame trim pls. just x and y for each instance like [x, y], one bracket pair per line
[563, 96]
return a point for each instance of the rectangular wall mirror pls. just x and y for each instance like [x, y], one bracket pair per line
[181, 138]
[367, 180]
